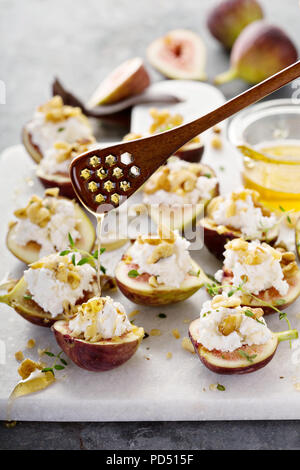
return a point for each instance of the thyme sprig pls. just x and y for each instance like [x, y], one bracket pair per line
[87, 257]
[55, 366]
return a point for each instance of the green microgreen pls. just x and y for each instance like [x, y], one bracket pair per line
[57, 359]
[221, 388]
[246, 356]
[133, 273]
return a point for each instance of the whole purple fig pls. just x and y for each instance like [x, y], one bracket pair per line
[229, 17]
[260, 51]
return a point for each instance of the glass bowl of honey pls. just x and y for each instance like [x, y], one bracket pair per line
[268, 137]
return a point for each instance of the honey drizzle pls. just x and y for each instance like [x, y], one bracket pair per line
[99, 218]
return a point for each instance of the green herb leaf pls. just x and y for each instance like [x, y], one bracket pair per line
[64, 253]
[49, 353]
[63, 361]
[48, 369]
[60, 129]
[73, 259]
[71, 241]
[208, 175]
[27, 297]
[221, 388]
[103, 269]
[83, 261]
[246, 356]
[133, 273]
[58, 367]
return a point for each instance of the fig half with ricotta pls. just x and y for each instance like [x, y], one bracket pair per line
[262, 275]
[44, 225]
[237, 215]
[100, 337]
[55, 122]
[158, 270]
[231, 339]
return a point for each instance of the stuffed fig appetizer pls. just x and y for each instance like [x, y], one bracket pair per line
[99, 337]
[237, 215]
[44, 225]
[266, 277]
[54, 122]
[54, 287]
[176, 193]
[53, 169]
[158, 270]
[231, 339]
[163, 120]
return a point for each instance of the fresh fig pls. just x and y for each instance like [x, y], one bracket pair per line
[216, 237]
[180, 54]
[191, 152]
[100, 356]
[271, 295]
[243, 360]
[130, 78]
[229, 17]
[63, 182]
[31, 252]
[32, 149]
[261, 50]
[139, 291]
[19, 298]
[182, 217]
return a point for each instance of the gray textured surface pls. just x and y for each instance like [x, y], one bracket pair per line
[80, 42]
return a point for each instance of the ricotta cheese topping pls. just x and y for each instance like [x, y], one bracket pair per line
[168, 262]
[100, 318]
[255, 265]
[55, 283]
[239, 328]
[178, 183]
[52, 234]
[238, 210]
[53, 122]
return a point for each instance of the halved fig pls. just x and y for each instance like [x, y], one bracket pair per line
[130, 78]
[19, 299]
[30, 252]
[180, 54]
[31, 148]
[270, 296]
[102, 355]
[139, 291]
[60, 181]
[191, 152]
[243, 360]
[216, 237]
[182, 217]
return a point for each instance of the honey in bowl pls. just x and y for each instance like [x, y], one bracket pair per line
[273, 169]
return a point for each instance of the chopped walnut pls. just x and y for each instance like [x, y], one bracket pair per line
[39, 211]
[27, 367]
[229, 324]
[227, 302]
[257, 256]
[216, 142]
[155, 332]
[55, 110]
[19, 356]
[68, 151]
[152, 281]
[169, 355]
[176, 333]
[187, 345]
[30, 343]
[163, 250]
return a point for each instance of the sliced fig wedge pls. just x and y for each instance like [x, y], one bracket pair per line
[139, 291]
[191, 152]
[31, 148]
[130, 78]
[30, 253]
[19, 299]
[270, 296]
[180, 54]
[243, 360]
[101, 356]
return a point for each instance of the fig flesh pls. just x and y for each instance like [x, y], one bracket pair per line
[271, 295]
[139, 291]
[30, 252]
[260, 51]
[229, 17]
[243, 360]
[130, 78]
[180, 54]
[100, 356]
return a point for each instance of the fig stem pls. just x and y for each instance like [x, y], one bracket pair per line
[286, 335]
[227, 76]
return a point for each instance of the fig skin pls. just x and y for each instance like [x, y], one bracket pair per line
[229, 363]
[32, 312]
[180, 54]
[30, 253]
[135, 80]
[229, 17]
[32, 149]
[260, 51]
[140, 292]
[270, 295]
[101, 356]
[191, 153]
[63, 182]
